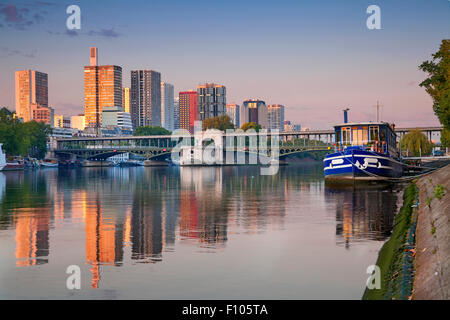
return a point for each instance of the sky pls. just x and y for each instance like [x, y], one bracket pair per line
[314, 57]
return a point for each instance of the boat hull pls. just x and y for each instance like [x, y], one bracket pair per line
[361, 165]
[13, 166]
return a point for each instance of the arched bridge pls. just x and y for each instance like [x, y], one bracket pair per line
[161, 147]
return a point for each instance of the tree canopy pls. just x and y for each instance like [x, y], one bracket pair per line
[222, 123]
[437, 85]
[415, 143]
[23, 139]
[151, 131]
[251, 125]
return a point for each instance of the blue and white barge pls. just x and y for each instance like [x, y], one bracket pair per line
[363, 151]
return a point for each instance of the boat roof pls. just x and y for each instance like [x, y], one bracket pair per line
[363, 124]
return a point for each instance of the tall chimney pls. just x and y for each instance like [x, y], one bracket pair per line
[93, 56]
[346, 115]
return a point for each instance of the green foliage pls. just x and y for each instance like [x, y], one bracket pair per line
[445, 137]
[251, 125]
[439, 191]
[23, 139]
[429, 199]
[151, 131]
[222, 123]
[437, 85]
[414, 142]
[391, 254]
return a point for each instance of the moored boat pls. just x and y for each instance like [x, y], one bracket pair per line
[49, 163]
[2, 158]
[14, 164]
[364, 151]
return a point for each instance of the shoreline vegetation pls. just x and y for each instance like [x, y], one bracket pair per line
[392, 255]
[422, 226]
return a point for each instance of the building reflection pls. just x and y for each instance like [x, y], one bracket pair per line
[364, 213]
[140, 212]
[32, 237]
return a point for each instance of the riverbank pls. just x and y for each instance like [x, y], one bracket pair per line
[415, 262]
[432, 263]
[391, 258]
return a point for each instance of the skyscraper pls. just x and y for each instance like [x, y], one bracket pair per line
[31, 88]
[145, 98]
[211, 100]
[126, 99]
[167, 109]
[176, 113]
[275, 117]
[188, 110]
[102, 88]
[254, 110]
[233, 113]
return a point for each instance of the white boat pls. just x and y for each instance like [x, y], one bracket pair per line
[49, 163]
[2, 158]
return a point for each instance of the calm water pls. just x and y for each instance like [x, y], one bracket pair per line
[188, 233]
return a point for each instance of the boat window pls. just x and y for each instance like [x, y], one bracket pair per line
[383, 134]
[338, 136]
[346, 136]
[373, 133]
[359, 136]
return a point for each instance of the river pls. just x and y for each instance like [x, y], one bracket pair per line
[189, 233]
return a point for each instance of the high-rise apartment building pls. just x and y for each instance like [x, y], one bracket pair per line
[254, 110]
[275, 117]
[145, 98]
[233, 113]
[167, 108]
[31, 87]
[176, 113]
[102, 88]
[126, 99]
[211, 100]
[188, 110]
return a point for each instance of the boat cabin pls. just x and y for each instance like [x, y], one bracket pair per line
[378, 137]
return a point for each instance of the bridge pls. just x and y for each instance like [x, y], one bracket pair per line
[161, 147]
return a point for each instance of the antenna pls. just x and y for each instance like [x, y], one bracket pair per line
[378, 110]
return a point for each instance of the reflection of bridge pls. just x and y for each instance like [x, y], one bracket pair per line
[161, 147]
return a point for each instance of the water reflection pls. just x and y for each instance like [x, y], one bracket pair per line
[363, 213]
[148, 211]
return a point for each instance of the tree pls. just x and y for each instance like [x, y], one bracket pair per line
[151, 131]
[416, 144]
[29, 138]
[251, 125]
[222, 123]
[437, 85]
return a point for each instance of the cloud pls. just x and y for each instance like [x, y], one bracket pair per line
[71, 33]
[7, 52]
[107, 33]
[22, 17]
[11, 13]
